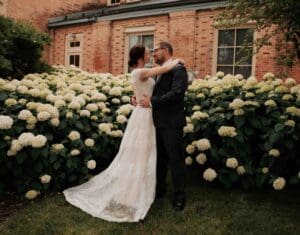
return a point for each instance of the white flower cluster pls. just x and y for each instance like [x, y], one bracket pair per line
[24, 140]
[6, 122]
[274, 152]
[203, 144]
[209, 174]
[232, 163]
[227, 131]
[279, 183]
[199, 115]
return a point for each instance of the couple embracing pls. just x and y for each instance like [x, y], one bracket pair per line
[152, 141]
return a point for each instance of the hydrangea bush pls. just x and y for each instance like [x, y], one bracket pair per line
[244, 131]
[59, 129]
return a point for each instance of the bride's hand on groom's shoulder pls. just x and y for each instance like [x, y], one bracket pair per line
[178, 61]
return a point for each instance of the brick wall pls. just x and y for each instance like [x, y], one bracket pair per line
[190, 32]
[3, 7]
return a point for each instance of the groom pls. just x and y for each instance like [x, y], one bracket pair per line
[169, 120]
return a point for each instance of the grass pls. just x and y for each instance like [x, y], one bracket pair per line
[209, 210]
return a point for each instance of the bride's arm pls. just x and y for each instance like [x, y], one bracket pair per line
[152, 72]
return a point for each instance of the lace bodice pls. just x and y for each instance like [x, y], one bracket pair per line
[141, 87]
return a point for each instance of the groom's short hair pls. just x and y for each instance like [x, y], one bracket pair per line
[166, 45]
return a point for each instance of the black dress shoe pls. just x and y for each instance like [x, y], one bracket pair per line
[179, 204]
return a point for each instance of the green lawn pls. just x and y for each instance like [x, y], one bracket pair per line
[209, 210]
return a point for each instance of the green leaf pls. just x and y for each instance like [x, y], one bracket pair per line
[53, 158]
[38, 167]
[3, 96]
[294, 180]
[239, 121]
[79, 125]
[279, 127]
[56, 165]
[21, 157]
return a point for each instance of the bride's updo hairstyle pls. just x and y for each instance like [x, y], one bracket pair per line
[136, 52]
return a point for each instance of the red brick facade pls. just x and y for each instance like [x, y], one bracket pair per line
[104, 45]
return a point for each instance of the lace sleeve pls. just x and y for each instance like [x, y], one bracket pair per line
[135, 75]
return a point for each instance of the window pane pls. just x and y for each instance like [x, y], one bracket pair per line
[225, 56]
[225, 69]
[244, 37]
[77, 57]
[147, 40]
[71, 59]
[243, 56]
[226, 38]
[133, 40]
[244, 70]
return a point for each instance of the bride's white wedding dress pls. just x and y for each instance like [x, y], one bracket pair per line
[125, 191]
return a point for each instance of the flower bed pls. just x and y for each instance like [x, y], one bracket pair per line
[59, 129]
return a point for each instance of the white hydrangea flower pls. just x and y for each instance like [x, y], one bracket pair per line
[74, 105]
[69, 115]
[125, 109]
[121, 119]
[203, 144]
[32, 194]
[89, 142]
[237, 104]
[26, 139]
[196, 108]
[279, 183]
[10, 102]
[227, 131]
[293, 111]
[190, 149]
[220, 74]
[199, 115]
[92, 107]
[39, 141]
[24, 114]
[270, 103]
[85, 113]
[188, 161]
[232, 163]
[104, 127]
[116, 134]
[91, 164]
[57, 147]
[250, 95]
[55, 122]
[201, 158]
[287, 97]
[74, 135]
[265, 170]
[6, 122]
[75, 152]
[241, 170]
[43, 116]
[290, 82]
[45, 179]
[290, 123]
[238, 112]
[59, 103]
[99, 97]
[268, 76]
[216, 90]
[125, 99]
[116, 91]
[274, 153]
[189, 128]
[209, 174]
[22, 101]
[116, 101]
[281, 89]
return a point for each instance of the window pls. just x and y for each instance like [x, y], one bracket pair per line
[234, 51]
[132, 0]
[113, 2]
[73, 54]
[138, 35]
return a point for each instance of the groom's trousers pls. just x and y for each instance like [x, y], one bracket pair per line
[169, 143]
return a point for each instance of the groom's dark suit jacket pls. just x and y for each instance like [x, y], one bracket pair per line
[168, 99]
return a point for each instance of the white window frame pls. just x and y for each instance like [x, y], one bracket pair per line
[215, 48]
[73, 37]
[140, 30]
[129, 1]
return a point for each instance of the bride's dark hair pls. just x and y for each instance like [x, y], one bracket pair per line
[136, 52]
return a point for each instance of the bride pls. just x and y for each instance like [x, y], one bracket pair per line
[125, 191]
